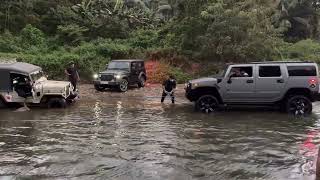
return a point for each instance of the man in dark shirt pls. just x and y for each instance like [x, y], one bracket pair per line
[169, 87]
[318, 167]
[73, 75]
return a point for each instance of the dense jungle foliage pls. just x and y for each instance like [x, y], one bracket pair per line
[51, 33]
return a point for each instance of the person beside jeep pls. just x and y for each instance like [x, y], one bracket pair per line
[73, 75]
[169, 87]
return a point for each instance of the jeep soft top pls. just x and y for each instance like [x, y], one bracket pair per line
[16, 67]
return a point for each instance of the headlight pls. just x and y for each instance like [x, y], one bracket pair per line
[95, 76]
[118, 76]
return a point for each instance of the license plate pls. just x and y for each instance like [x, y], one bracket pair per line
[104, 82]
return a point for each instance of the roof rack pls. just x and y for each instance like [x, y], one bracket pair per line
[273, 62]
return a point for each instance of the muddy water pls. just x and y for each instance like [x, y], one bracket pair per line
[117, 138]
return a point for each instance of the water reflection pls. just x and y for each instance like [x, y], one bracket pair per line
[141, 140]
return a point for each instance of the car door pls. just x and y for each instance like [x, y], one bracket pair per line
[239, 89]
[270, 82]
[134, 72]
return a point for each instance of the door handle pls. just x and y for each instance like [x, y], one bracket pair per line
[250, 81]
[280, 81]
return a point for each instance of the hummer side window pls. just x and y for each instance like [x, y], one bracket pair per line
[241, 72]
[269, 71]
[302, 71]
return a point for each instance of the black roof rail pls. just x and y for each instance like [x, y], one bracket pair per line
[275, 62]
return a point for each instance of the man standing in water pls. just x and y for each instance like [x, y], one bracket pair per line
[318, 167]
[73, 75]
[169, 86]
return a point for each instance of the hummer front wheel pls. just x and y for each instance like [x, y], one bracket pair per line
[207, 104]
[123, 87]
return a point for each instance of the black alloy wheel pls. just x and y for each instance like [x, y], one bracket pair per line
[207, 104]
[299, 105]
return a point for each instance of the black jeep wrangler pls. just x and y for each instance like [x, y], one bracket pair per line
[120, 74]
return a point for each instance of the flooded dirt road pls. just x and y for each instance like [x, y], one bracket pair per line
[107, 136]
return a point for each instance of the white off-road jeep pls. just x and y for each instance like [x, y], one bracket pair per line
[26, 83]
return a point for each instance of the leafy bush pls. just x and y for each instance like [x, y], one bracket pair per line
[9, 43]
[302, 50]
[71, 34]
[160, 72]
[180, 76]
[31, 36]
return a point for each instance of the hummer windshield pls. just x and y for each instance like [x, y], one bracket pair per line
[222, 73]
[37, 75]
[119, 65]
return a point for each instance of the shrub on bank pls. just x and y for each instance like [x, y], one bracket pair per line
[158, 71]
[305, 50]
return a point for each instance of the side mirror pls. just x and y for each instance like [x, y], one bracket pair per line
[229, 79]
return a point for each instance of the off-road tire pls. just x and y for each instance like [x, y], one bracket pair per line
[99, 88]
[298, 105]
[207, 104]
[2, 103]
[142, 81]
[57, 102]
[123, 87]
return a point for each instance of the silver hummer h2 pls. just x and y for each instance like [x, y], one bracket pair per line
[23, 82]
[292, 85]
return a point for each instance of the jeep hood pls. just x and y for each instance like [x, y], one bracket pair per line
[114, 72]
[54, 84]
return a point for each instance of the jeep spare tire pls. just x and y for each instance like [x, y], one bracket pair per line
[207, 104]
[57, 102]
[299, 105]
[123, 87]
[142, 81]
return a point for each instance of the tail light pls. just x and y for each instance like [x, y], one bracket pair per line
[8, 98]
[313, 82]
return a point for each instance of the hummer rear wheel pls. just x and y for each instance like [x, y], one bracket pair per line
[207, 104]
[123, 87]
[299, 105]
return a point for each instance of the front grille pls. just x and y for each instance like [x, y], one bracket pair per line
[106, 77]
[189, 86]
[68, 91]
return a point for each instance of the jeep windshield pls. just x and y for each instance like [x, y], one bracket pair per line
[37, 75]
[119, 66]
